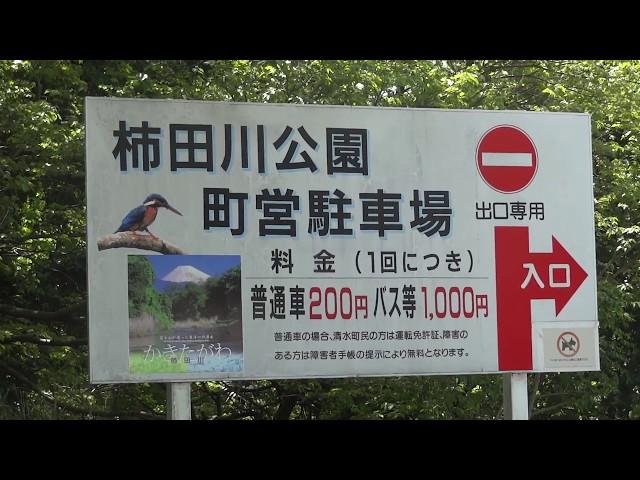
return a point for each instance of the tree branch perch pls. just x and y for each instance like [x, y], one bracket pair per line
[143, 242]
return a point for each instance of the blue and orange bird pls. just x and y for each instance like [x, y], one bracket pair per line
[138, 219]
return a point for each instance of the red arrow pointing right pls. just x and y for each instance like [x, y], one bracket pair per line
[522, 276]
[560, 274]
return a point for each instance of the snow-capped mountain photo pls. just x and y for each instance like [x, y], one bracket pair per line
[185, 273]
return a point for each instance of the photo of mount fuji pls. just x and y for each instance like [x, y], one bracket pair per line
[186, 273]
[185, 313]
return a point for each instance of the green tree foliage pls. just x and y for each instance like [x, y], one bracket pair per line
[216, 301]
[223, 296]
[143, 297]
[187, 301]
[217, 298]
[230, 282]
[43, 327]
[140, 280]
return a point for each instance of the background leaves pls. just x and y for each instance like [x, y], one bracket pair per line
[43, 354]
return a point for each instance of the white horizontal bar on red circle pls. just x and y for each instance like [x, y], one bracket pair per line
[494, 159]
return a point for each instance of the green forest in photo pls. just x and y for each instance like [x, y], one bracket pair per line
[212, 306]
[44, 370]
[215, 301]
[144, 298]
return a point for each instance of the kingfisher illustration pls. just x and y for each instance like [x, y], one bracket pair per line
[138, 219]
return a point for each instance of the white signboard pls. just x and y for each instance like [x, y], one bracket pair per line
[247, 241]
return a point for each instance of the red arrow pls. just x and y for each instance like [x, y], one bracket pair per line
[557, 276]
[560, 287]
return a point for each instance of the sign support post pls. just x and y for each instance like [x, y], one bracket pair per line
[514, 396]
[179, 401]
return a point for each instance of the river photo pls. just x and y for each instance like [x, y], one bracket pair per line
[185, 313]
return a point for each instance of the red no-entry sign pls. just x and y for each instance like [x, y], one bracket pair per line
[507, 159]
